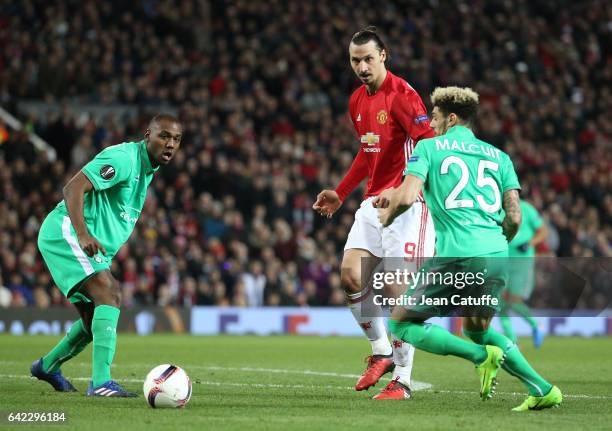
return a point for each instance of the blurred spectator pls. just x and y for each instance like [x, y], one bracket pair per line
[253, 283]
[5, 295]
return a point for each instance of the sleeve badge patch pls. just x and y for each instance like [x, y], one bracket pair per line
[107, 172]
[420, 119]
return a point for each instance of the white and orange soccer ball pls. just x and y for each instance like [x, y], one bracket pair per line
[167, 385]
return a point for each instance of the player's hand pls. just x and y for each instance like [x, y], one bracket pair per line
[90, 245]
[383, 199]
[327, 203]
[389, 204]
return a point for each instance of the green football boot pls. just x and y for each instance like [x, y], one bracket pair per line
[553, 398]
[487, 371]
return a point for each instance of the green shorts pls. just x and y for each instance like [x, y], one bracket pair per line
[67, 262]
[521, 276]
[446, 288]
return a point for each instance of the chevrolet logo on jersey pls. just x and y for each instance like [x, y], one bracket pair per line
[371, 139]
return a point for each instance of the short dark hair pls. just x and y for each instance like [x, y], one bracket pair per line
[367, 34]
[164, 117]
[463, 102]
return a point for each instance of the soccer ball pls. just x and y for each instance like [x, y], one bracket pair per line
[167, 386]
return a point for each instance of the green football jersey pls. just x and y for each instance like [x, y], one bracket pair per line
[120, 175]
[530, 224]
[464, 181]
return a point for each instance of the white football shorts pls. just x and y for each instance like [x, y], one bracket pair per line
[410, 239]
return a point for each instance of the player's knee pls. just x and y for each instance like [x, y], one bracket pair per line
[117, 296]
[476, 329]
[104, 290]
[351, 280]
[114, 293]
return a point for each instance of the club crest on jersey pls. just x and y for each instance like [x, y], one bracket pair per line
[382, 116]
[107, 172]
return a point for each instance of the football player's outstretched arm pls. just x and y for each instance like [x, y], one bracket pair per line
[512, 207]
[74, 196]
[328, 201]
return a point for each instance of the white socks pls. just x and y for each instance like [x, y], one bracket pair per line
[403, 353]
[373, 327]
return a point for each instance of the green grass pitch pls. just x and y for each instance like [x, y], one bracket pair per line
[252, 383]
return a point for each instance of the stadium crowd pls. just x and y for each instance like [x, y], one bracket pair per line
[263, 102]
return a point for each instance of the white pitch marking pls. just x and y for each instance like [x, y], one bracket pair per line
[428, 387]
[416, 385]
[524, 394]
[203, 382]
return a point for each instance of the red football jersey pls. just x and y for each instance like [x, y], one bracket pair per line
[389, 123]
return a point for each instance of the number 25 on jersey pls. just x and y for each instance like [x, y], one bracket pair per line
[482, 181]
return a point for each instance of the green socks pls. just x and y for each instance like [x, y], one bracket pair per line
[104, 329]
[71, 345]
[434, 339]
[515, 363]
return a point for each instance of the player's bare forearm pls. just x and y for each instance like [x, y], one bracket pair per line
[512, 207]
[74, 196]
[398, 211]
[411, 188]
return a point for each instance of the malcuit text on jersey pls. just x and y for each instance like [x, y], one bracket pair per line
[472, 148]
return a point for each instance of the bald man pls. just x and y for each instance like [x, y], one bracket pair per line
[79, 238]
